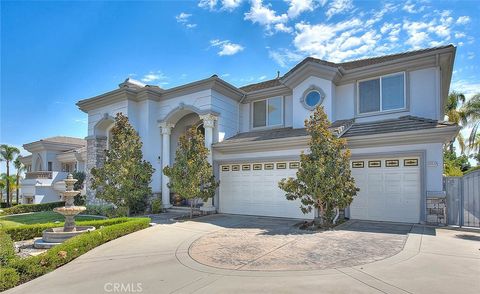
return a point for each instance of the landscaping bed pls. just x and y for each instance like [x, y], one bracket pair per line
[37, 218]
[15, 270]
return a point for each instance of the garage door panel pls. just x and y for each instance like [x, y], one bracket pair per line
[264, 197]
[388, 193]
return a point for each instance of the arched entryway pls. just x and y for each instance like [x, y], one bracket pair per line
[175, 124]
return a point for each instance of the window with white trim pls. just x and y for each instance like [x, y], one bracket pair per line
[268, 112]
[384, 93]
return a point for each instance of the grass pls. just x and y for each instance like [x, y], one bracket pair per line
[9, 221]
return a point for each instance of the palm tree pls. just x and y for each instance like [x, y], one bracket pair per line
[7, 153]
[10, 179]
[20, 168]
[2, 187]
[452, 110]
[470, 116]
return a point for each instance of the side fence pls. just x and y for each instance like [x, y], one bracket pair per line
[463, 200]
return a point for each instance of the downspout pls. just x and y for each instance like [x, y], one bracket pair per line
[240, 102]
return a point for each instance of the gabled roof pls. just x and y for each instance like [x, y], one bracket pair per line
[347, 65]
[60, 143]
[64, 140]
[401, 124]
[344, 129]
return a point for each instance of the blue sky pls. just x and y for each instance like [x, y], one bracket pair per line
[56, 53]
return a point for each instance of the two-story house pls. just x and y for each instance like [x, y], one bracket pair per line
[49, 163]
[390, 110]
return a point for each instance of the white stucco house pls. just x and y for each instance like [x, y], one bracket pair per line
[49, 163]
[389, 108]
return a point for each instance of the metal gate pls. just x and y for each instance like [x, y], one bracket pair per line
[463, 199]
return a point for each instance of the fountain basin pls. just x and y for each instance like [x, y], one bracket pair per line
[72, 210]
[55, 236]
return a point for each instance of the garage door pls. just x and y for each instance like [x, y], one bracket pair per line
[252, 189]
[390, 189]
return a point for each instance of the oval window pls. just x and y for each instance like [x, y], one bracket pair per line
[313, 98]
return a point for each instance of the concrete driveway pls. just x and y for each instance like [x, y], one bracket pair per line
[158, 260]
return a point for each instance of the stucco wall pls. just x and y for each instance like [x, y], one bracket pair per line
[425, 93]
[300, 113]
[228, 121]
[97, 114]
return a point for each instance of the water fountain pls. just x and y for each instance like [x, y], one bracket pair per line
[55, 236]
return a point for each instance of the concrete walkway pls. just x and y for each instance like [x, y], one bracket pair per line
[157, 260]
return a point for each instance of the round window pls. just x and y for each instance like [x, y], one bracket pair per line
[313, 98]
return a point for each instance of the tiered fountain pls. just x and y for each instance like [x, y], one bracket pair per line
[55, 236]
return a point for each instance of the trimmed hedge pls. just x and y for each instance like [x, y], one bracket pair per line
[24, 208]
[26, 232]
[9, 278]
[7, 252]
[35, 266]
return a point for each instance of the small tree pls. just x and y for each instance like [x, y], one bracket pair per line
[324, 180]
[125, 177]
[191, 176]
[20, 168]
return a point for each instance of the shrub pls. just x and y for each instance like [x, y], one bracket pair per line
[26, 232]
[7, 252]
[35, 266]
[157, 205]
[107, 210]
[9, 278]
[24, 208]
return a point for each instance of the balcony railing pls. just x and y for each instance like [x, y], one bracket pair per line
[38, 175]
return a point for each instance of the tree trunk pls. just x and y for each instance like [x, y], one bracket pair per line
[8, 183]
[318, 220]
[191, 209]
[18, 180]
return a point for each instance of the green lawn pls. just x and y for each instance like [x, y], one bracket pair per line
[36, 218]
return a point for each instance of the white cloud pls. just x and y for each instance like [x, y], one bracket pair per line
[284, 57]
[468, 88]
[459, 35]
[338, 6]
[470, 55]
[226, 47]
[297, 7]
[463, 20]
[184, 19]
[263, 15]
[411, 7]
[262, 78]
[280, 27]
[335, 42]
[154, 76]
[219, 4]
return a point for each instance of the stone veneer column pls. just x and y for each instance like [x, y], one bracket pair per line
[166, 130]
[208, 125]
[96, 146]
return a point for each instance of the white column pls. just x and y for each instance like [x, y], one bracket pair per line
[208, 125]
[166, 130]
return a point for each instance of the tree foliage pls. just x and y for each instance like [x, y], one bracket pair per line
[324, 180]
[191, 176]
[455, 165]
[125, 177]
[7, 154]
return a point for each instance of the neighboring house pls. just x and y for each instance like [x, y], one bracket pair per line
[390, 110]
[52, 159]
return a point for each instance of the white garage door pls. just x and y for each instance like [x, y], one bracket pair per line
[389, 189]
[252, 189]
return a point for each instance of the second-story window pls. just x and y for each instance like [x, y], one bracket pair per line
[50, 166]
[382, 94]
[268, 112]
